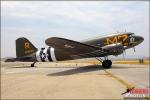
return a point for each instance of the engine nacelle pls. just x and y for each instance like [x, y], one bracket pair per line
[46, 55]
[115, 49]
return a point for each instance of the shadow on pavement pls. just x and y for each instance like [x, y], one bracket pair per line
[84, 69]
[78, 70]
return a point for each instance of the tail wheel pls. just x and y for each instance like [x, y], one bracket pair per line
[107, 63]
[32, 65]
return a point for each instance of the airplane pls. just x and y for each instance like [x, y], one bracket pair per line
[61, 49]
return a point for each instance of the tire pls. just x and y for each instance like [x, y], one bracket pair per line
[32, 65]
[109, 62]
[106, 64]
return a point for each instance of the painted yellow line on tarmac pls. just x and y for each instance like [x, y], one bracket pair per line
[128, 85]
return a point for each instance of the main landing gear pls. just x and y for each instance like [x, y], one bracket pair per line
[105, 63]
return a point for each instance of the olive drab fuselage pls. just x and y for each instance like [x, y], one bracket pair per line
[113, 44]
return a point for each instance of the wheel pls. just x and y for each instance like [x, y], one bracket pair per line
[107, 63]
[32, 65]
[110, 62]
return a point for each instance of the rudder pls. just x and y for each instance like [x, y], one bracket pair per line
[24, 48]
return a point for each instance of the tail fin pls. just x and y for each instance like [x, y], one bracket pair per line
[24, 48]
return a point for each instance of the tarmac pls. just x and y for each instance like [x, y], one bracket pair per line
[70, 80]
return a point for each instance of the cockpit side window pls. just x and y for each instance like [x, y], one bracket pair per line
[131, 34]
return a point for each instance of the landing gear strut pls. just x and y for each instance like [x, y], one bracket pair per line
[32, 65]
[105, 63]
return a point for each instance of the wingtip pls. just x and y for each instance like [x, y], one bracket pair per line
[48, 40]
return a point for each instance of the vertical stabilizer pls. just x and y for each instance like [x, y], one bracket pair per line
[24, 48]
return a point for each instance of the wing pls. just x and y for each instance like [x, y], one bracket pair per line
[73, 47]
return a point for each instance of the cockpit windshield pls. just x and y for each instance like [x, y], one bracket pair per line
[131, 34]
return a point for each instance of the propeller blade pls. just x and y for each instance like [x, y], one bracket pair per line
[134, 49]
[124, 53]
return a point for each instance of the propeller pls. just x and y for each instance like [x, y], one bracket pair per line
[124, 51]
[134, 49]
[117, 31]
[122, 42]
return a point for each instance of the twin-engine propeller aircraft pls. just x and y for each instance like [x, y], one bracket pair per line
[61, 49]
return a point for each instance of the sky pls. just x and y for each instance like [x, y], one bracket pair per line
[76, 20]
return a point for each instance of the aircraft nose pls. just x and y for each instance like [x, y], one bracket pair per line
[140, 39]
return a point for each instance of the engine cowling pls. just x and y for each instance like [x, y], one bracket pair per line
[114, 49]
[46, 55]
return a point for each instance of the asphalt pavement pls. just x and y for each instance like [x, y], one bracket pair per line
[70, 80]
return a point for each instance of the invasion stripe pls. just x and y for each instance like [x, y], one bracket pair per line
[45, 52]
[41, 52]
[52, 54]
[49, 55]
